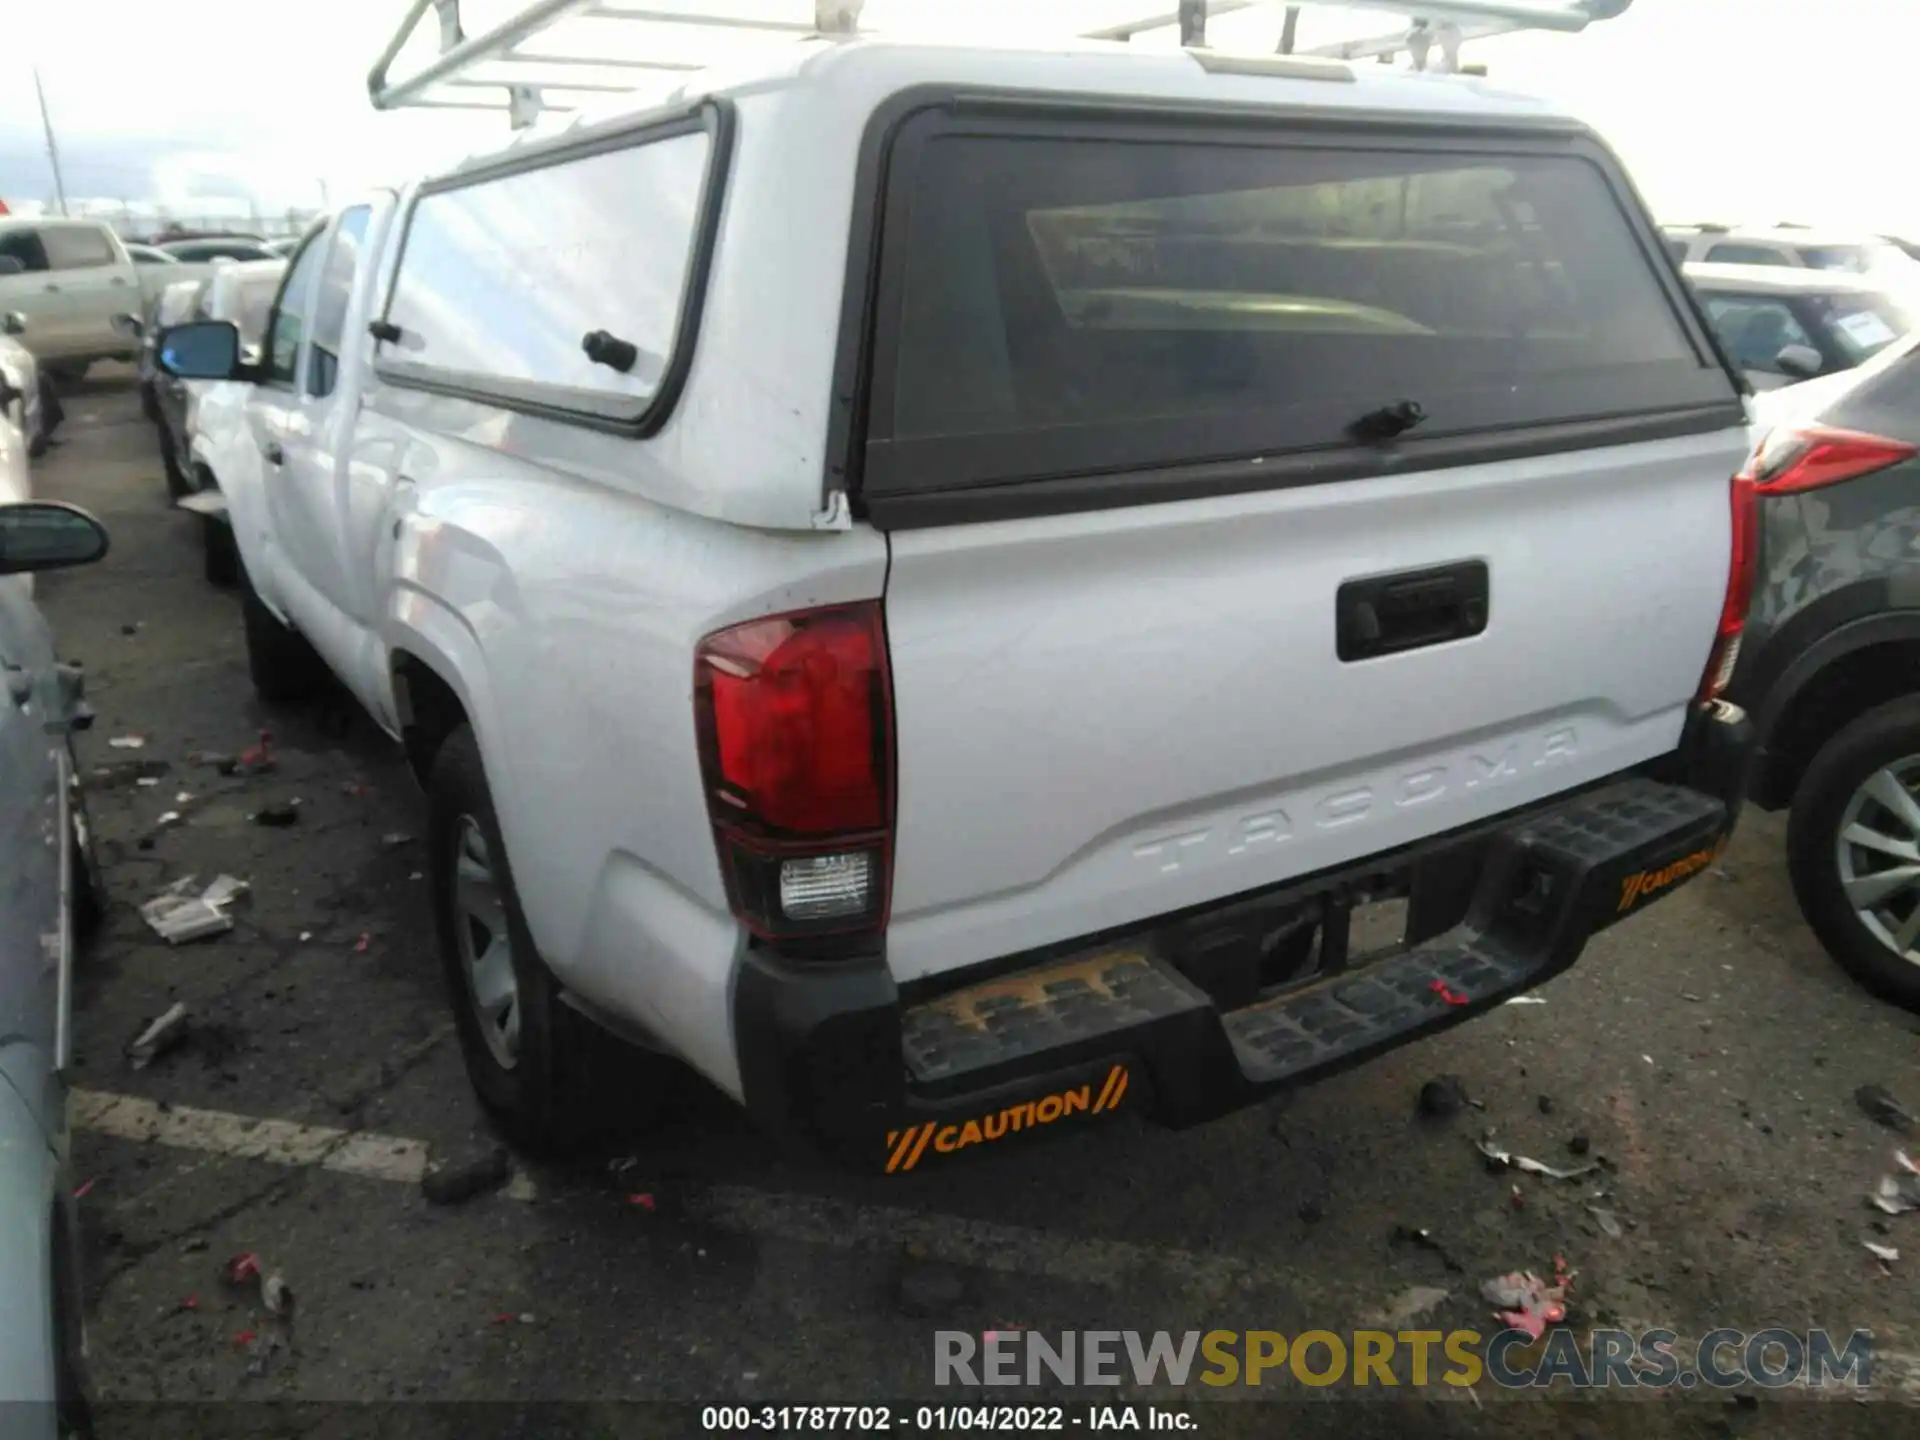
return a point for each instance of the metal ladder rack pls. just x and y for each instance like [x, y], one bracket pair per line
[612, 47]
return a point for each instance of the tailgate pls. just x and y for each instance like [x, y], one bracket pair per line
[1106, 718]
[1266, 492]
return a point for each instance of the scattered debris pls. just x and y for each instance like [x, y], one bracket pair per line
[211, 760]
[170, 817]
[279, 816]
[1443, 1097]
[244, 1271]
[192, 1302]
[145, 771]
[252, 761]
[1422, 1238]
[1879, 1106]
[1579, 1144]
[1526, 1302]
[167, 1032]
[1885, 1254]
[643, 1200]
[1544, 1104]
[130, 629]
[1524, 1000]
[1406, 1307]
[1608, 1222]
[81, 1192]
[1898, 1193]
[1516, 1198]
[177, 916]
[394, 839]
[1447, 993]
[305, 935]
[128, 742]
[463, 1178]
[360, 945]
[148, 781]
[1497, 1157]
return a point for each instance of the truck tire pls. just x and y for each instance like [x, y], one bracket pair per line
[222, 554]
[177, 482]
[528, 1055]
[283, 666]
[1855, 788]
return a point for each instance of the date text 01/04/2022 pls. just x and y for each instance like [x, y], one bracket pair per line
[941, 1419]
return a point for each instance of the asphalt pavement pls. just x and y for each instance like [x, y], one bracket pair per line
[1706, 1051]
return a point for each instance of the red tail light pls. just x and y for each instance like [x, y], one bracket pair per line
[1795, 458]
[795, 719]
[1745, 545]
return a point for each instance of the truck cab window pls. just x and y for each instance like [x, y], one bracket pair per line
[25, 246]
[330, 304]
[290, 314]
[77, 247]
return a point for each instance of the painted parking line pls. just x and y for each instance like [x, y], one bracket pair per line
[813, 1219]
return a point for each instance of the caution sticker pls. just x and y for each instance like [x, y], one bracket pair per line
[1644, 885]
[906, 1148]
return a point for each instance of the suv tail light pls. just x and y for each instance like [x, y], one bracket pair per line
[1805, 457]
[1725, 654]
[795, 720]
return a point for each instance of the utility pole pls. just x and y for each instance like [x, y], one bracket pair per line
[1290, 29]
[53, 150]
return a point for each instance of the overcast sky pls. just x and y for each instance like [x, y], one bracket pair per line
[1724, 109]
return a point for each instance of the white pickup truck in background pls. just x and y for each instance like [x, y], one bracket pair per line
[931, 583]
[72, 280]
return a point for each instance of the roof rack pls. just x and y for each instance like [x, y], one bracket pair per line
[591, 47]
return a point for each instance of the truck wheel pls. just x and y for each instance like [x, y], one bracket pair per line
[528, 1054]
[283, 666]
[1853, 847]
[177, 482]
[222, 554]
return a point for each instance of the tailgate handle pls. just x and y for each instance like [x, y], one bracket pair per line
[1386, 614]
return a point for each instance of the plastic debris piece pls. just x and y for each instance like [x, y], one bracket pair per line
[462, 1178]
[1447, 993]
[1885, 1254]
[1899, 1193]
[305, 935]
[1524, 1000]
[643, 1200]
[276, 1296]
[503, 1318]
[360, 945]
[1526, 1302]
[184, 797]
[128, 742]
[1529, 1166]
[1608, 1222]
[278, 817]
[241, 1268]
[164, 1033]
[1517, 1198]
[393, 839]
[1442, 1097]
[151, 781]
[224, 890]
[192, 1302]
[81, 1192]
[1879, 1106]
[243, 1339]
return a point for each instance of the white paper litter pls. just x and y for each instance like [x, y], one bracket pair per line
[128, 742]
[176, 915]
[1533, 1167]
[1885, 1254]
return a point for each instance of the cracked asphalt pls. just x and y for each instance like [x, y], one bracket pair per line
[1707, 1049]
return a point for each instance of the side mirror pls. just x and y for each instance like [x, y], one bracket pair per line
[202, 350]
[13, 323]
[1802, 362]
[12, 265]
[128, 325]
[48, 535]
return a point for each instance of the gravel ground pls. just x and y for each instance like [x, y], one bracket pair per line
[1707, 1049]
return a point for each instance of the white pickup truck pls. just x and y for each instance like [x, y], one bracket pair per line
[71, 281]
[931, 583]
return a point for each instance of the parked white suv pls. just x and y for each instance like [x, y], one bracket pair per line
[72, 280]
[929, 582]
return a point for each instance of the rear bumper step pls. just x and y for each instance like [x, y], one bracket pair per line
[1121, 1026]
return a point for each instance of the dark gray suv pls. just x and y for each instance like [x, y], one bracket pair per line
[1830, 667]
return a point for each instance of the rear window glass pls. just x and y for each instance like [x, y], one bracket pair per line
[1179, 299]
[501, 280]
[1747, 255]
[1847, 259]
